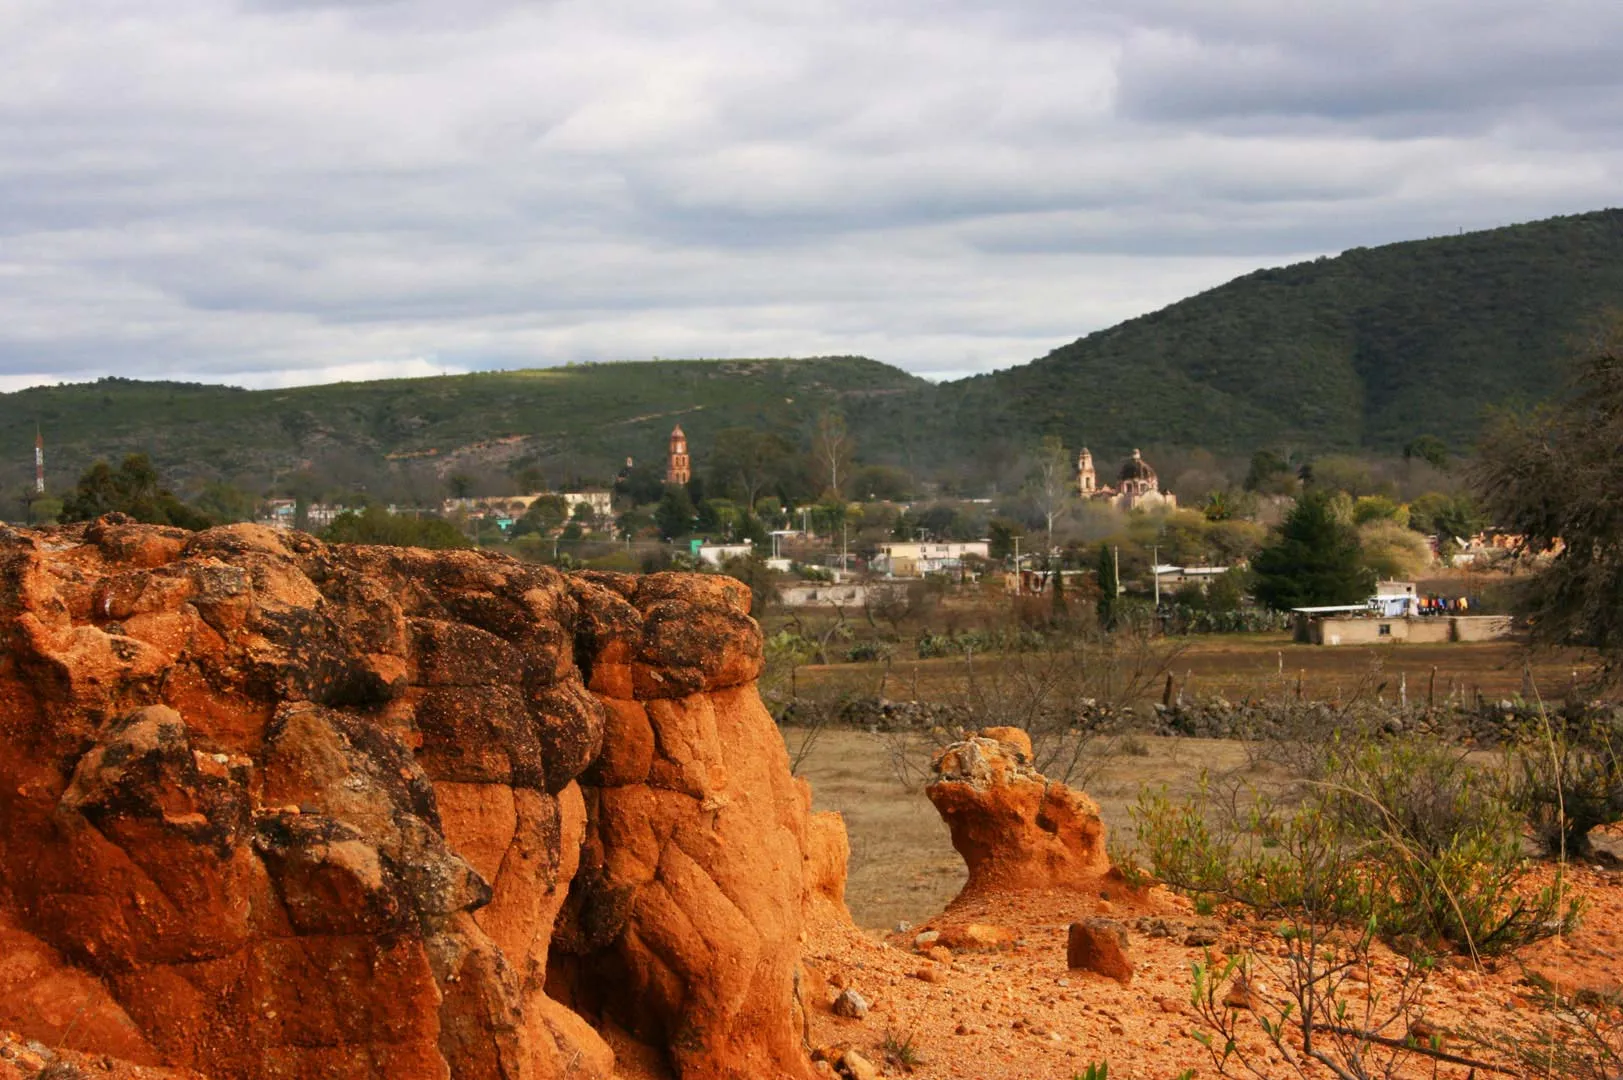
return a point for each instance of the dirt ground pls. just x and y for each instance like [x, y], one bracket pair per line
[1020, 1013]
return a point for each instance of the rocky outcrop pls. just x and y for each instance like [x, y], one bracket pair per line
[272, 808]
[1015, 828]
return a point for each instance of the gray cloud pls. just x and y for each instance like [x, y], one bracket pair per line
[279, 191]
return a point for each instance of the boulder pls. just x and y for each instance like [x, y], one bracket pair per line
[1100, 946]
[276, 808]
[1015, 828]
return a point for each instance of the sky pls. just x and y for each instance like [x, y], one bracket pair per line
[282, 192]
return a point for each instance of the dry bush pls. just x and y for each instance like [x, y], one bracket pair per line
[1072, 692]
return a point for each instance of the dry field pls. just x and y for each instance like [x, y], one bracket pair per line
[1252, 665]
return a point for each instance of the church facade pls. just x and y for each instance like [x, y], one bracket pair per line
[1136, 488]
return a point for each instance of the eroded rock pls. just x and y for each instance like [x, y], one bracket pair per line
[1015, 828]
[270, 807]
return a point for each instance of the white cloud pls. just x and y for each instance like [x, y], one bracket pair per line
[287, 191]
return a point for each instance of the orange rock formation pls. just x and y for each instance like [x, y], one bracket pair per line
[1015, 828]
[272, 808]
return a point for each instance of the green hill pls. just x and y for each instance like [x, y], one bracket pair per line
[579, 420]
[1365, 350]
[1362, 351]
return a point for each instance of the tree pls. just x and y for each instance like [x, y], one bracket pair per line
[675, 513]
[1050, 485]
[831, 452]
[1002, 533]
[225, 502]
[375, 525]
[1269, 474]
[544, 514]
[1448, 517]
[1109, 588]
[1393, 551]
[746, 462]
[1553, 477]
[1427, 448]
[134, 489]
[642, 485]
[1315, 560]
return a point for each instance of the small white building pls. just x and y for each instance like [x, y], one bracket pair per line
[1172, 577]
[716, 554]
[915, 559]
[601, 502]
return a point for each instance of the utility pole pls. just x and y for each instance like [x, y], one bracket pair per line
[39, 461]
[1155, 572]
[1115, 555]
[1019, 585]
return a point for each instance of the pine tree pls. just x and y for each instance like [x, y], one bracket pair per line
[1109, 591]
[1314, 561]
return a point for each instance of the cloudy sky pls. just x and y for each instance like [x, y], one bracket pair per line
[273, 192]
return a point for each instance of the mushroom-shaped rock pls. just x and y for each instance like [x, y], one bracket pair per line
[1015, 828]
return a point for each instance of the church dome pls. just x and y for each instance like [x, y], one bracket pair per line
[1136, 468]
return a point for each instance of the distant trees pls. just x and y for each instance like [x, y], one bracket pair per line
[747, 462]
[543, 515]
[375, 525]
[1270, 474]
[1448, 517]
[1314, 560]
[1555, 477]
[675, 513]
[225, 502]
[133, 488]
[1427, 448]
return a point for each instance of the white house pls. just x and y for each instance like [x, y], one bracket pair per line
[601, 502]
[913, 559]
[716, 554]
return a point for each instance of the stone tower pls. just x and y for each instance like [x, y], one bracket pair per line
[1087, 481]
[678, 471]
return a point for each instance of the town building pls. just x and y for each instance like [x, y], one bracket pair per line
[914, 559]
[1137, 487]
[717, 554]
[601, 502]
[678, 470]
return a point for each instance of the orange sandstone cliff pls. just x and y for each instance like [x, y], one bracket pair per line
[273, 808]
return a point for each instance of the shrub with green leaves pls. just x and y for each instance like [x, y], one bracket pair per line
[1571, 779]
[1408, 837]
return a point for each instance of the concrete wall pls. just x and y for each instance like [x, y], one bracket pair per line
[1427, 631]
[1480, 627]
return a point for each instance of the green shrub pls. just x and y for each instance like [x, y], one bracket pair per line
[1571, 779]
[1409, 838]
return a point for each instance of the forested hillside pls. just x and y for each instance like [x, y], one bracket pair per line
[579, 420]
[1365, 350]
